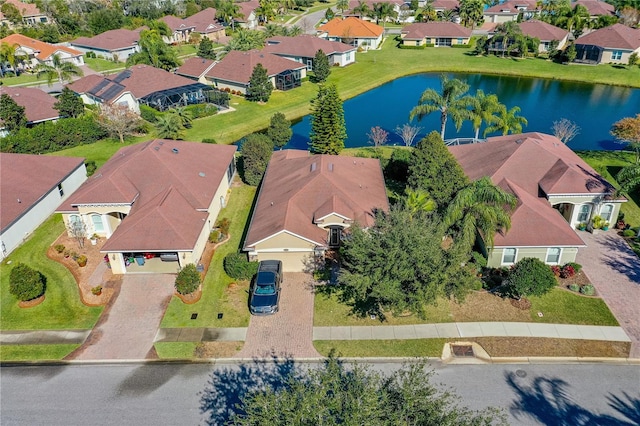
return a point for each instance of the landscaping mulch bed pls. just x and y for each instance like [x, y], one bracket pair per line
[537, 346]
[217, 349]
[31, 303]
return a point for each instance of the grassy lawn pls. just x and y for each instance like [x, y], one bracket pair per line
[175, 350]
[35, 352]
[103, 65]
[102, 150]
[185, 49]
[217, 295]
[563, 307]
[25, 79]
[381, 348]
[62, 308]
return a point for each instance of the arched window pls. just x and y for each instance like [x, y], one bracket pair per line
[606, 212]
[98, 225]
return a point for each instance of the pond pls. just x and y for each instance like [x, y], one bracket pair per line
[594, 107]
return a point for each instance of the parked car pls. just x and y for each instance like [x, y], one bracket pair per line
[264, 297]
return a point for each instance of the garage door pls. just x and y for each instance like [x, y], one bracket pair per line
[291, 261]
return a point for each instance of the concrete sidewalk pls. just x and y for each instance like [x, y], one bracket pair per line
[43, 337]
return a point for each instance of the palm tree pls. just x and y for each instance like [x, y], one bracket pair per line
[450, 101]
[480, 207]
[383, 11]
[59, 70]
[427, 12]
[419, 201]
[506, 121]
[342, 5]
[169, 127]
[9, 55]
[362, 9]
[183, 115]
[482, 109]
[471, 12]
[628, 178]
[227, 11]
[574, 19]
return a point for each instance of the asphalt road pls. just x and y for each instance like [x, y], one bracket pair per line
[175, 394]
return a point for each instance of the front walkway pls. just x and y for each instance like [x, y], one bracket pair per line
[129, 323]
[614, 271]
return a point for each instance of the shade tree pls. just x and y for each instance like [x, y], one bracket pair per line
[260, 86]
[279, 130]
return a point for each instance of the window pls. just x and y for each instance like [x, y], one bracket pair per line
[616, 55]
[60, 190]
[583, 213]
[460, 41]
[606, 211]
[98, 225]
[509, 256]
[553, 255]
[73, 219]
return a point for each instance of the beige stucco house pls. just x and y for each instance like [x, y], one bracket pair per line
[438, 34]
[609, 45]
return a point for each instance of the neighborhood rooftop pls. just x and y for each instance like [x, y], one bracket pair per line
[110, 40]
[43, 51]
[420, 30]
[542, 30]
[238, 66]
[351, 27]
[615, 36]
[304, 45]
[38, 105]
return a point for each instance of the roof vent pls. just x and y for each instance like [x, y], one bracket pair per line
[519, 141]
[330, 167]
[160, 142]
[157, 148]
[20, 201]
[201, 174]
[313, 166]
[272, 203]
[175, 150]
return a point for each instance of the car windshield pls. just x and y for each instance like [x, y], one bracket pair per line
[265, 289]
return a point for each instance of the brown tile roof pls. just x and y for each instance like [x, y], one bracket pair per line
[304, 46]
[246, 7]
[351, 27]
[354, 3]
[28, 178]
[205, 21]
[174, 23]
[596, 7]
[44, 50]
[110, 40]
[170, 192]
[237, 66]
[142, 81]
[512, 6]
[616, 36]
[38, 105]
[446, 4]
[25, 9]
[420, 30]
[556, 170]
[195, 67]
[299, 188]
[542, 30]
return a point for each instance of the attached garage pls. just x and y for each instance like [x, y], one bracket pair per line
[291, 261]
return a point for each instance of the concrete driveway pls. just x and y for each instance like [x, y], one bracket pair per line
[290, 331]
[128, 325]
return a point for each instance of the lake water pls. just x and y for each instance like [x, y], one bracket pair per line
[593, 107]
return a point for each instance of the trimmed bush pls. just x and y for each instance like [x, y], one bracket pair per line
[628, 233]
[91, 167]
[556, 270]
[531, 277]
[82, 260]
[201, 110]
[214, 236]
[26, 283]
[588, 290]
[188, 279]
[237, 266]
[574, 287]
[149, 114]
[576, 266]
[567, 271]
[59, 248]
[461, 46]
[223, 225]
[209, 140]
[421, 47]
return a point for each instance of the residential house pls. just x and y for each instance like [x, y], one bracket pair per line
[203, 23]
[306, 202]
[303, 49]
[555, 193]
[546, 33]
[596, 8]
[156, 201]
[30, 13]
[510, 10]
[248, 18]
[234, 71]
[371, 4]
[38, 105]
[613, 44]
[196, 68]
[437, 34]
[38, 52]
[352, 31]
[140, 84]
[119, 44]
[32, 187]
[180, 29]
[441, 6]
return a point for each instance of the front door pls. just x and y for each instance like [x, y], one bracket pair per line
[334, 236]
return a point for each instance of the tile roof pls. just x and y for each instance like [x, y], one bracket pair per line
[195, 67]
[38, 105]
[299, 188]
[354, 3]
[170, 192]
[542, 30]
[304, 46]
[25, 9]
[174, 23]
[351, 27]
[237, 66]
[512, 6]
[556, 171]
[110, 40]
[43, 50]
[205, 21]
[446, 4]
[246, 8]
[420, 30]
[616, 36]
[596, 7]
[28, 178]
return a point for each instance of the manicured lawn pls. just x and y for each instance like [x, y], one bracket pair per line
[217, 296]
[382, 348]
[563, 307]
[62, 308]
[102, 65]
[102, 150]
[185, 49]
[25, 78]
[35, 352]
[175, 350]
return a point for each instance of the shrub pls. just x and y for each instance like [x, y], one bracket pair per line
[82, 260]
[567, 271]
[59, 248]
[26, 283]
[576, 266]
[237, 266]
[223, 225]
[461, 46]
[209, 140]
[556, 270]
[404, 46]
[588, 290]
[214, 236]
[149, 114]
[201, 110]
[91, 167]
[628, 233]
[574, 287]
[531, 276]
[188, 279]
[97, 290]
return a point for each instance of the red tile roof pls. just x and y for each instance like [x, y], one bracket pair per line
[44, 50]
[195, 67]
[305, 46]
[237, 66]
[38, 105]
[170, 192]
[299, 188]
[351, 27]
[110, 40]
[420, 30]
[542, 30]
[596, 7]
[25, 179]
[616, 36]
[556, 171]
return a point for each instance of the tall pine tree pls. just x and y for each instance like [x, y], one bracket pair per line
[260, 86]
[205, 49]
[328, 128]
[321, 67]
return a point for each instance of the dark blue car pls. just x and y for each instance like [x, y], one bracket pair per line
[265, 293]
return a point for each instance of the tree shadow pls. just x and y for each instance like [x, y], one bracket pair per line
[619, 257]
[548, 401]
[225, 389]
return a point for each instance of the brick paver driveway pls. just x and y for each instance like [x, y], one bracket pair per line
[290, 331]
[129, 322]
[614, 270]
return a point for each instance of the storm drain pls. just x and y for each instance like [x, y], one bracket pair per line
[462, 350]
